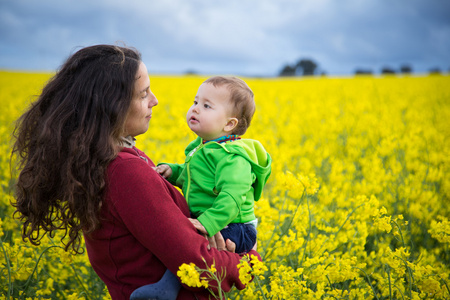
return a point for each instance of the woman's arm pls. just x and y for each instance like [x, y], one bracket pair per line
[156, 215]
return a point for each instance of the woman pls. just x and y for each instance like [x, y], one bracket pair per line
[81, 173]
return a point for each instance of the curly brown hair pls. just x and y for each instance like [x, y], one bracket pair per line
[66, 139]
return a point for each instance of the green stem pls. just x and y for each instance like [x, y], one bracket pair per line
[445, 283]
[308, 237]
[403, 297]
[348, 217]
[400, 231]
[370, 283]
[388, 270]
[80, 282]
[292, 219]
[260, 288]
[411, 276]
[36, 266]
[329, 281]
[273, 232]
[296, 209]
[8, 265]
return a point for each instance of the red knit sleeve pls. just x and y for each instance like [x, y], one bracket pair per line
[151, 210]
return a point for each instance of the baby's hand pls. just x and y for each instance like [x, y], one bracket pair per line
[164, 170]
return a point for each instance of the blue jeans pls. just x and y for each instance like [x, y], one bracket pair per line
[243, 235]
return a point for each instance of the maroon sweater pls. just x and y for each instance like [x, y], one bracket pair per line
[145, 230]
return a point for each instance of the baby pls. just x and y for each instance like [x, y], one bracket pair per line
[223, 175]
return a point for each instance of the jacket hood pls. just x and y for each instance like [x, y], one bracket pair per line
[260, 160]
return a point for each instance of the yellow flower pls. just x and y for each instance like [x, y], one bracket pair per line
[309, 183]
[189, 276]
[106, 296]
[430, 286]
[440, 230]
[258, 267]
[213, 268]
[244, 272]
[74, 296]
[250, 265]
[291, 184]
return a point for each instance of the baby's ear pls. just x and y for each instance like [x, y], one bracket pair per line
[231, 125]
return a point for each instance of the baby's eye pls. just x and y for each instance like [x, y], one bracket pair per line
[206, 106]
[195, 102]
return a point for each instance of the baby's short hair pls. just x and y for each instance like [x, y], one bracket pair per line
[242, 97]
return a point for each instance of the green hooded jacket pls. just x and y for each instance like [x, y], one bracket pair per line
[221, 181]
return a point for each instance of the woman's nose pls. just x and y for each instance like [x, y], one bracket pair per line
[153, 101]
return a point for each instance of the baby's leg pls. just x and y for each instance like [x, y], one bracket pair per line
[243, 235]
[165, 289]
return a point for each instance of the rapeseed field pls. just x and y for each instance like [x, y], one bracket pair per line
[357, 206]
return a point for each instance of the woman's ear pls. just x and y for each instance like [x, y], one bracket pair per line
[231, 124]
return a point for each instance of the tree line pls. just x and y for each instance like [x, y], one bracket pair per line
[308, 67]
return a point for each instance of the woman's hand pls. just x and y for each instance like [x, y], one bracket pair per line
[215, 241]
[255, 246]
[163, 170]
[218, 242]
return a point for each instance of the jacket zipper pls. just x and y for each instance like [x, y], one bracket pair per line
[188, 171]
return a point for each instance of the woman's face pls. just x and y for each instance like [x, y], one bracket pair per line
[140, 111]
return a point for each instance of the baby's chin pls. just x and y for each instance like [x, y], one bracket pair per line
[194, 131]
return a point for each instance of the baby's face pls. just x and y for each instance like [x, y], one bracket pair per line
[211, 112]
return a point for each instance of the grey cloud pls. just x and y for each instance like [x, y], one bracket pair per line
[252, 37]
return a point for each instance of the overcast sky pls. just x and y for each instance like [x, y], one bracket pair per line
[241, 37]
